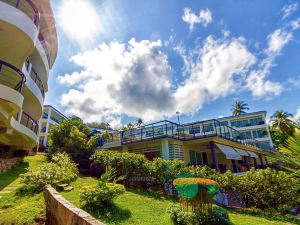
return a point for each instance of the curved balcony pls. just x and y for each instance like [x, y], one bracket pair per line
[11, 76]
[27, 7]
[29, 122]
[45, 47]
[37, 80]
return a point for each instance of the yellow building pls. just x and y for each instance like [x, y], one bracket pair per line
[28, 48]
[209, 142]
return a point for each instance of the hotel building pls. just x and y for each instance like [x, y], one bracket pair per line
[215, 143]
[28, 48]
[51, 116]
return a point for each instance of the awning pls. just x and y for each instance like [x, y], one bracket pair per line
[252, 154]
[242, 152]
[229, 152]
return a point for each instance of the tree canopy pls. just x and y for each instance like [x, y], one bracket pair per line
[239, 108]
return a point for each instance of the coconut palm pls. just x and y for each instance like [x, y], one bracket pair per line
[282, 121]
[239, 108]
[139, 122]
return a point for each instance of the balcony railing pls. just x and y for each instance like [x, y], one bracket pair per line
[184, 132]
[27, 7]
[45, 47]
[8, 76]
[29, 122]
[37, 80]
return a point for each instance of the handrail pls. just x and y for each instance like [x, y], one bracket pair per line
[44, 45]
[35, 77]
[29, 122]
[22, 5]
[19, 86]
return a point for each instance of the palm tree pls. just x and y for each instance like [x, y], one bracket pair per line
[130, 126]
[290, 154]
[139, 122]
[239, 108]
[282, 122]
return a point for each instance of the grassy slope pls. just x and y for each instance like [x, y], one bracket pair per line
[20, 210]
[136, 207]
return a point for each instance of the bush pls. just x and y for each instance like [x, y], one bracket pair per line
[258, 188]
[218, 216]
[102, 194]
[165, 170]
[123, 162]
[60, 171]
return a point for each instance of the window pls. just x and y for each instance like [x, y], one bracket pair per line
[198, 158]
[240, 123]
[246, 135]
[45, 115]
[41, 140]
[208, 127]
[256, 121]
[264, 145]
[258, 133]
[194, 129]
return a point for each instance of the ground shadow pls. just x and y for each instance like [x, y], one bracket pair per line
[153, 195]
[11, 175]
[114, 214]
[266, 215]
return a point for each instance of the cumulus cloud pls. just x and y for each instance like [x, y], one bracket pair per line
[287, 10]
[118, 79]
[204, 17]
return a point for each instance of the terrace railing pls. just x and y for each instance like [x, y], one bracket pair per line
[27, 7]
[35, 77]
[11, 76]
[29, 122]
[45, 47]
[184, 132]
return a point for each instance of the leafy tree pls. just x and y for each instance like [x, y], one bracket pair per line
[281, 122]
[278, 138]
[290, 154]
[71, 136]
[127, 127]
[139, 122]
[101, 125]
[239, 108]
[105, 136]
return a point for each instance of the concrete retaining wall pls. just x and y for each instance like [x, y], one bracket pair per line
[6, 164]
[59, 211]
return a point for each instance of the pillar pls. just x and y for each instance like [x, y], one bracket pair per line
[255, 163]
[247, 163]
[214, 155]
[165, 149]
[261, 161]
[235, 167]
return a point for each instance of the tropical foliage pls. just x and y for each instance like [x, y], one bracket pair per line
[290, 154]
[102, 194]
[282, 122]
[61, 170]
[72, 136]
[239, 108]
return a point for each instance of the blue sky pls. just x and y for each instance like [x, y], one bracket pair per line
[120, 60]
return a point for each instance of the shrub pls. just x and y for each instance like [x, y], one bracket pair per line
[164, 170]
[123, 162]
[258, 188]
[60, 171]
[218, 216]
[102, 194]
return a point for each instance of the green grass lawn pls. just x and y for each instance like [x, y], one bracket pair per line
[134, 207]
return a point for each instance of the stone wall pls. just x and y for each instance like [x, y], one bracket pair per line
[59, 211]
[6, 164]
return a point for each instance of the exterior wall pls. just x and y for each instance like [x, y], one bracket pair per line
[252, 128]
[61, 212]
[6, 164]
[21, 38]
[50, 118]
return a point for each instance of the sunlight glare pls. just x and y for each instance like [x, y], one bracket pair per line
[79, 20]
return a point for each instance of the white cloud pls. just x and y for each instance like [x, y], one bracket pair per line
[295, 82]
[295, 24]
[204, 17]
[118, 79]
[297, 115]
[277, 40]
[287, 10]
[218, 71]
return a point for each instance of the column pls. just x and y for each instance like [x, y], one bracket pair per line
[261, 161]
[247, 163]
[255, 163]
[235, 167]
[214, 155]
[165, 149]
